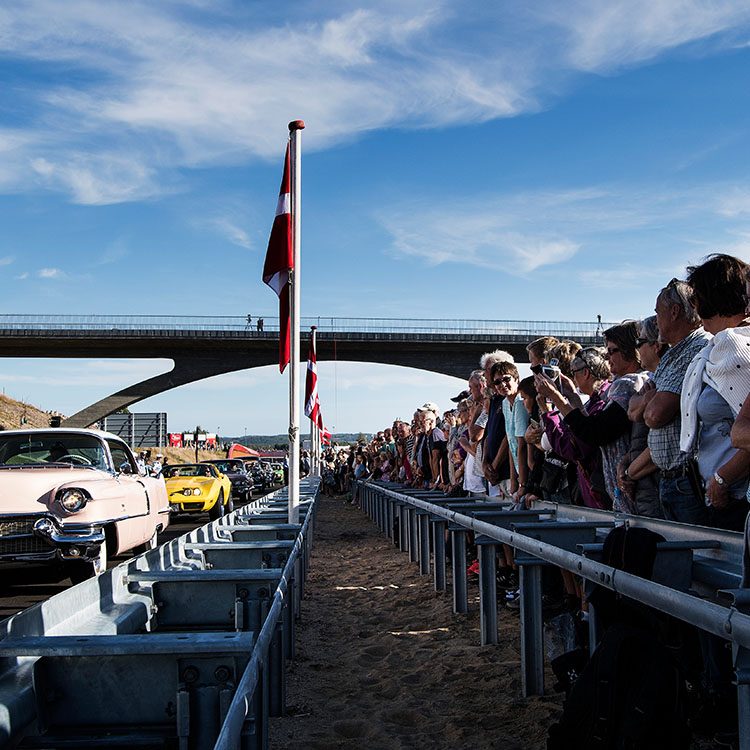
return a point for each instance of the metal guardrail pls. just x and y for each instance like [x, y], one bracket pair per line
[694, 559]
[20, 324]
[185, 643]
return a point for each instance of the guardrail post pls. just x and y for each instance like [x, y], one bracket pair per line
[458, 565]
[487, 594]
[413, 534]
[438, 545]
[277, 686]
[297, 594]
[424, 543]
[403, 527]
[290, 626]
[532, 641]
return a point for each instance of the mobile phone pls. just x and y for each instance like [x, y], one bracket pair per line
[552, 372]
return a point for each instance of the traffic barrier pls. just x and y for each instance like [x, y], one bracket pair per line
[178, 646]
[697, 573]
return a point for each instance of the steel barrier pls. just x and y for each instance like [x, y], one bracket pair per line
[182, 646]
[697, 573]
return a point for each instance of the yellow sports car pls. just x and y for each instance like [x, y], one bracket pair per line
[194, 488]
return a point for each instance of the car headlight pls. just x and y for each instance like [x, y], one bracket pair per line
[73, 499]
[187, 491]
[197, 491]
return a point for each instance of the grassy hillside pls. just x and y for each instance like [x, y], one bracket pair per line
[15, 415]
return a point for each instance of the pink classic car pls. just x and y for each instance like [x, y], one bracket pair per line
[75, 497]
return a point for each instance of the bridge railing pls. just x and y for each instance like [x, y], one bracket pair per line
[249, 325]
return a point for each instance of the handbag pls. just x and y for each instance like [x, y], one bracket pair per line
[697, 484]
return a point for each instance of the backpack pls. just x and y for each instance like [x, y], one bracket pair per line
[632, 694]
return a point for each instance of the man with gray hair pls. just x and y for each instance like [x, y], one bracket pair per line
[679, 326]
[494, 446]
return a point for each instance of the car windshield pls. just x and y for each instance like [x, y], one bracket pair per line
[194, 470]
[225, 466]
[54, 447]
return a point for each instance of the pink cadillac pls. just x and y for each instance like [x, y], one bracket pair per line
[75, 497]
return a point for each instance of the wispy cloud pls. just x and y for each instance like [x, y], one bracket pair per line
[51, 273]
[164, 86]
[527, 232]
[603, 37]
[7, 260]
[231, 231]
[114, 252]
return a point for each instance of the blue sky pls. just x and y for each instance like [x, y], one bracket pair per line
[554, 161]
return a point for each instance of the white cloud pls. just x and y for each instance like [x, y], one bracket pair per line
[99, 179]
[7, 260]
[22, 276]
[525, 232]
[50, 273]
[114, 252]
[230, 231]
[602, 37]
[165, 86]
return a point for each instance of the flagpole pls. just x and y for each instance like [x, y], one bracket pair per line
[295, 128]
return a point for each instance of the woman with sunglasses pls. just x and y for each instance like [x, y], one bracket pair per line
[610, 428]
[637, 475]
[590, 376]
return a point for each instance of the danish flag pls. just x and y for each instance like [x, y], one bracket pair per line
[312, 402]
[280, 262]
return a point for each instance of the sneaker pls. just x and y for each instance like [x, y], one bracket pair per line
[507, 578]
[513, 599]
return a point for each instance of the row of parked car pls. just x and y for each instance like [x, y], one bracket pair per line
[76, 497]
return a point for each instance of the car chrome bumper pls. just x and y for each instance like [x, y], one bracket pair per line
[42, 539]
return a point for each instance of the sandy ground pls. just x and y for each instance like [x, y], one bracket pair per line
[384, 663]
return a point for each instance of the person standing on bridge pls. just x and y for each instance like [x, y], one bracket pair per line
[259, 325]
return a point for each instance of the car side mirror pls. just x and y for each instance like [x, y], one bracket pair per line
[126, 468]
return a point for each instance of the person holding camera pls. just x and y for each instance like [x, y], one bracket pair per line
[610, 428]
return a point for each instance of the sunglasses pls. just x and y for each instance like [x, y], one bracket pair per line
[580, 369]
[610, 352]
[640, 342]
[506, 379]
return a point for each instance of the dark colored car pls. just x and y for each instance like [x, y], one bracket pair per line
[234, 468]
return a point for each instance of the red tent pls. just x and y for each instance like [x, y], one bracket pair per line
[237, 450]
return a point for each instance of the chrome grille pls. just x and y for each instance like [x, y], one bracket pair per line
[17, 526]
[17, 537]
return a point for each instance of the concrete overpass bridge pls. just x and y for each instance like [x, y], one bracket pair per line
[201, 347]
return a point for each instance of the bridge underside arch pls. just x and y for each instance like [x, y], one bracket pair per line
[456, 358]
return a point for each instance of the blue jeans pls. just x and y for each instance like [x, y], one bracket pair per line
[679, 502]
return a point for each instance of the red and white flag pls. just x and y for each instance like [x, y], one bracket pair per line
[280, 261]
[312, 402]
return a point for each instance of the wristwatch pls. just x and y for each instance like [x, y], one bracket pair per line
[718, 479]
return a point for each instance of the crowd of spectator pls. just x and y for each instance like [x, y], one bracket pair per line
[654, 421]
